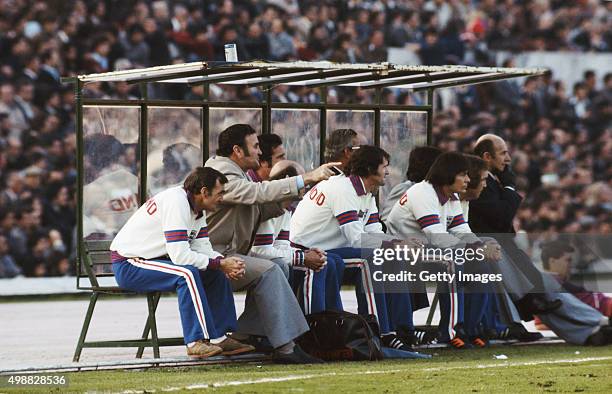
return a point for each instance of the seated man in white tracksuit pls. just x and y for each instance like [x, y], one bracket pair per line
[335, 215]
[432, 207]
[314, 279]
[164, 246]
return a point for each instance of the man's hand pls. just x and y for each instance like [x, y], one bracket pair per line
[315, 259]
[507, 177]
[232, 267]
[320, 174]
[492, 251]
[322, 253]
[411, 243]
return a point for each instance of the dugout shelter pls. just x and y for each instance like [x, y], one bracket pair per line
[129, 149]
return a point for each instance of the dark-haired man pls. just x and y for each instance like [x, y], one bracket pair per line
[557, 258]
[272, 151]
[164, 246]
[271, 310]
[420, 161]
[335, 215]
[584, 317]
[313, 277]
[432, 208]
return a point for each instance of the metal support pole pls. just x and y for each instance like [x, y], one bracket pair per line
[92, 304]
[377, 99]
[205, 124]
[430, 101]
[432, 309]
[152, 323]
[142, 144]
[78, 95]
[266, 119]
[322, 125]
[147, 328]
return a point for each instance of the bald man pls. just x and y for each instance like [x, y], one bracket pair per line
[492, 214]
[494, 211]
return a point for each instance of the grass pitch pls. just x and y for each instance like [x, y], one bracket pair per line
[551, 368]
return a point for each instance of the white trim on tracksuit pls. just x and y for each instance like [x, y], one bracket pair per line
[174, 269]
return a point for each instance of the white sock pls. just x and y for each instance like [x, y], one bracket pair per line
[190, 344]
[218, 340]
[286, 348]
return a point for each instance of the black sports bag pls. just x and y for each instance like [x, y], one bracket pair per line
[336, 336]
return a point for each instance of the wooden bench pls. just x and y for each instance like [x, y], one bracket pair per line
[97, 264]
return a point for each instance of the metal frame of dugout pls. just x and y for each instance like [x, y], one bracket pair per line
[266, 76]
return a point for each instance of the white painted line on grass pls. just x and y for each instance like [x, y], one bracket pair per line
[520, 363]
[327, 374]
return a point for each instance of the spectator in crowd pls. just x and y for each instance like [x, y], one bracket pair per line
[18, 121]
[256, 43]
[50, 73]
[376, 52]
[557, 259]
[281, 44]
[135, 46]
[8, 265]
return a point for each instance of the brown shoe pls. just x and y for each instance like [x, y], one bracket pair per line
[203, 349]
[232, 347]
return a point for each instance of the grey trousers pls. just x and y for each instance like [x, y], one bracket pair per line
[515, 282]
[574, 321]
[271, 309]
[284, 266]
[508, 313]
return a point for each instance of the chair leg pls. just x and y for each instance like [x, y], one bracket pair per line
[90, 310]
[152, 307]
[432, 309]
[147, 328]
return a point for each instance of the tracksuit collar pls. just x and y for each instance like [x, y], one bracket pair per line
[442, 198]
[358, 185]
[253, 176]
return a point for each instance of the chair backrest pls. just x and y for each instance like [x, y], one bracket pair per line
[96, 262]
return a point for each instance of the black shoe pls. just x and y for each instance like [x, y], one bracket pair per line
[394, 342]
[601, 338]
[261, 344]
[459, 341]
[419, 336]
[519, 332]
[298, 356]
[491, 333]
[541, 306]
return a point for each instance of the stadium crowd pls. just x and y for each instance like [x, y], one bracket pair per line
[560, 135]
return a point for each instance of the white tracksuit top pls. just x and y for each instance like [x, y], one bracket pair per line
[167, 224]
[422, 209]
[334, 214]
[272, 241]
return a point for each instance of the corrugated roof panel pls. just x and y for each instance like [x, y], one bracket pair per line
[332, 74]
